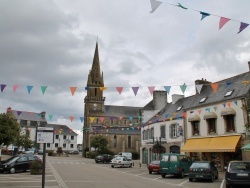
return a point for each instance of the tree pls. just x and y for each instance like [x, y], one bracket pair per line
[9, 129]
[24, 141]
[99, 142]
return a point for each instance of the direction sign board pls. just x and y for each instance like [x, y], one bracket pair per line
[45, 135]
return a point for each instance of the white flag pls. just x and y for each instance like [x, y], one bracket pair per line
[154, 5]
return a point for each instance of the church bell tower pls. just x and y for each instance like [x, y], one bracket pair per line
[94, 101]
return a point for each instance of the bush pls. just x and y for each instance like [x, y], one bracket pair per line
[36, 167]
[90, 154]
[50, 153]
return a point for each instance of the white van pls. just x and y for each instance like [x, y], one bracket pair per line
[124, 154]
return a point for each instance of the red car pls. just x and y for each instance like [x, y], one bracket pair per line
[154, 166]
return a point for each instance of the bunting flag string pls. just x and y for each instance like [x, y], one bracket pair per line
[135, 90]
[223, 20]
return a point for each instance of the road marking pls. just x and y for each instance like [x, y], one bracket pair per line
[221, 185]
[141, 174]
[183, 182]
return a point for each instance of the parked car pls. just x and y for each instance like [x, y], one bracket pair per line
[124, 154]
[18, 163]
[154, 166]
[76, 152]
[40, 152]
[121, 162]
[237, 173]
[174, 164]
[203, 170]
[104, 158]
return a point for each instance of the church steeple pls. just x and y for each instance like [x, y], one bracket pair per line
[95, 78]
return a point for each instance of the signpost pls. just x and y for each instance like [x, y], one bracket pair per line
[44, 135]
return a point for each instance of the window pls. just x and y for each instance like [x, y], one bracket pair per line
[195, 127]
[203, 99]
[64, 137]
[23, 122]
[57, 136]
[173, 158]
[125, 121]
[48, 145]
[228, 93]
[165, 158]
[33, 123]
[129, 141]
[163, 131]
[56, 145]
[64, 145]
[179, 108]
[173, 130]
[152, 133]
[71, 145]
[72, 137]
[211, 125]
[115, 141]
[144, 135]
[112, 122]
[229, 123]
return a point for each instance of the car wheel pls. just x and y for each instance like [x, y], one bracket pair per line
[150, 172]
[112, 166]
[130, 166]
[122, 166]
[228, 186]
[12, 170]
[190, 179]
[217, 177]
[182, 174]
[212, 179]
[163, 175]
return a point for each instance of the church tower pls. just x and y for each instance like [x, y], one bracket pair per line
[94, 101]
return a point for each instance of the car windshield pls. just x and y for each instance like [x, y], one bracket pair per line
[12, 159]
[200, 165]
[240, 166]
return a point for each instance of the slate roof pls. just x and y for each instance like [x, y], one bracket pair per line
[233, 83]
[65, 129]
[30, 116]
[124, 111]
[116, 130]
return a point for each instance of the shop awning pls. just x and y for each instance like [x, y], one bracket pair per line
[212, 144]
[246, 147]
[210, 115]
[195, 144]
[194, 118]
[227, 111]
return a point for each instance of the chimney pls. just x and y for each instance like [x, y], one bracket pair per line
[160, 99]
[176, 97]
[249, 65]
[43, 114]
[200, 82]
[8, 110]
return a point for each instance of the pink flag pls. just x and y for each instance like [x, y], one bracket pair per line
[223, 21]
[102, 119]
[15, 87]
[151, 89]
[119, 89]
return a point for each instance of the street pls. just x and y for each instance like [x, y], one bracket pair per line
[77, 172]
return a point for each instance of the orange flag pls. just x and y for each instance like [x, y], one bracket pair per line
[214, 86]
[73, 90]
[71, 118]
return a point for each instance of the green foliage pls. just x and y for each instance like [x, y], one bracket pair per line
[36, 165]
[9, 129]
[106, 151]
[24, 141]
[59, 150]
[90, 154]
[99, 142]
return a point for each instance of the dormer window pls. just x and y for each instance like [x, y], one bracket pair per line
[179, 108]
[229, 93]
[203, 99]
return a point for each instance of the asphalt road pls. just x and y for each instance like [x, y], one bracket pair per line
[77, 172]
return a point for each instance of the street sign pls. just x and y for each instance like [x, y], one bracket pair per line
[45, 135]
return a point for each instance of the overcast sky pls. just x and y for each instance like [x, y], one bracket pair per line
[51, 43]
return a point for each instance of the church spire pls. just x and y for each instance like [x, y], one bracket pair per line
[95, 77]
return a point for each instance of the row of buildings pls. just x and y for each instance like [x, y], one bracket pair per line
[212, 124]
[29, 121]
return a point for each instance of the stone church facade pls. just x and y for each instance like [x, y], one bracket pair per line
[120, 124]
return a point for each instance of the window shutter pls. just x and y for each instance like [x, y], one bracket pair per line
[170, 131]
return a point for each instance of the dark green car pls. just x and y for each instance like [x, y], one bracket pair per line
[203, 170]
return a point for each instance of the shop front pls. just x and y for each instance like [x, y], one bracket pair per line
[220, 149]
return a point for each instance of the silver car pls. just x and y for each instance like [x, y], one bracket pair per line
[121, 162]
